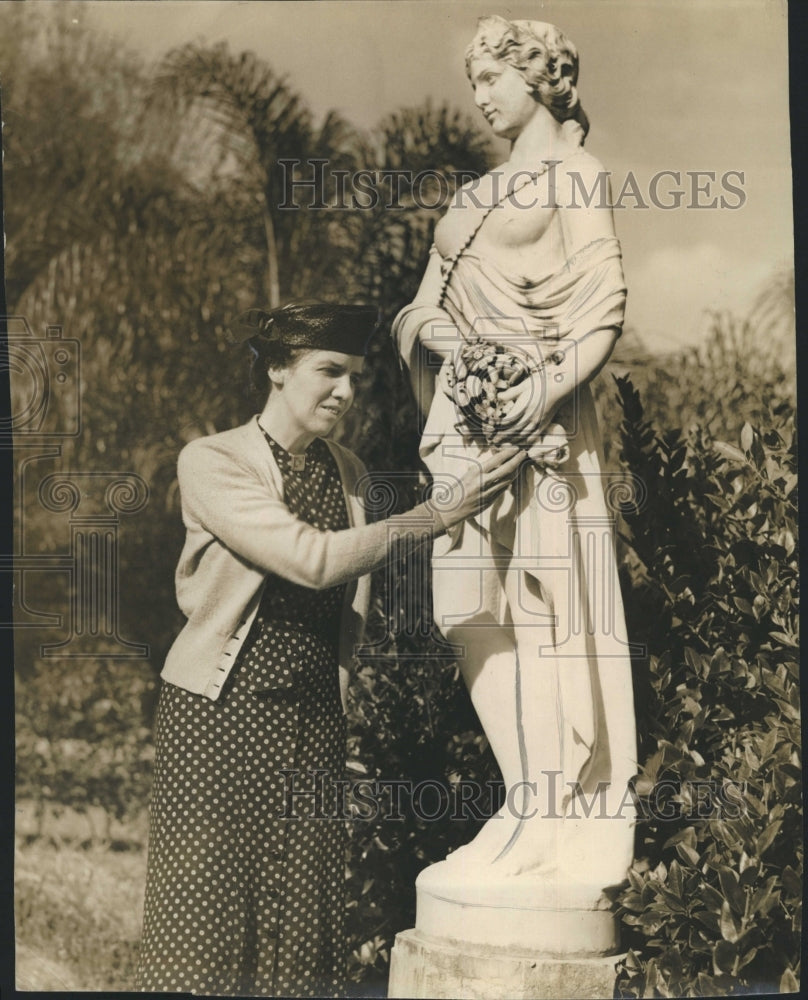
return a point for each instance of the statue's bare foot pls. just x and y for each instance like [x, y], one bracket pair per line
[533, 849]
[511, 845]
[488, 843]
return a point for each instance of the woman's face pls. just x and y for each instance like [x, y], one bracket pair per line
[317, 390]
[503, 96]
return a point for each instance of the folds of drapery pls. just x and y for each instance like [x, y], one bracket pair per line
[555, 523]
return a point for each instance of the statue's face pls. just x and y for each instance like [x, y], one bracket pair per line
[503, 96]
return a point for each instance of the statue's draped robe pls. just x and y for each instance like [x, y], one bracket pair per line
[555, 523]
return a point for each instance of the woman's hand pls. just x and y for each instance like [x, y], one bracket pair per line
[547, 446]
[485, 478]
[551, 448]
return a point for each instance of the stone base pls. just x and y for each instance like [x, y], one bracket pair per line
[550, 915]
[422, 966]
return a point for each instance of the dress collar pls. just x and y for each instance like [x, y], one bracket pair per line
[296, 460]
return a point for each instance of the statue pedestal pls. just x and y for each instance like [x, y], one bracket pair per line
[522, 939]
[423, 966]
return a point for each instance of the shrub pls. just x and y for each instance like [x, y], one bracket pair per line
[411, 720]
[81, 737]
[714, 900]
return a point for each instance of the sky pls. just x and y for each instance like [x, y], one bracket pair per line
[668, 85]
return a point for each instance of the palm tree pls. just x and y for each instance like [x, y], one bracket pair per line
[772, 312]
[422, 144]
[255, 122]
[391, 245]
[64, 134]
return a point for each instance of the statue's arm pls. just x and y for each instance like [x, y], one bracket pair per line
[425, 334]
[587, 351]
[581, 226]
[584, 218]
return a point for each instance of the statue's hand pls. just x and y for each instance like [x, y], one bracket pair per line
[476, 380]
[450, 371]
[526, 415]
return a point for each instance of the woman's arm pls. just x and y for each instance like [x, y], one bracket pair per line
[584, 197]
[230, 502]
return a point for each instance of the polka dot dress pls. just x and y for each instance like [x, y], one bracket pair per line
[245, 886]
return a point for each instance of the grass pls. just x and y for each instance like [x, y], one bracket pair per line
[78, 914]
[79, 905]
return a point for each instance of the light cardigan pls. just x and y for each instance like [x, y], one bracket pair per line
[238, 530]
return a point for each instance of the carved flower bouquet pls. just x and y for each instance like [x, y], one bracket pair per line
[474, 380]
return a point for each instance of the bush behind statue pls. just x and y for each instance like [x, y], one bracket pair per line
[714, 906]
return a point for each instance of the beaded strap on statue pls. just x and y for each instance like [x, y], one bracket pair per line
[449, 262]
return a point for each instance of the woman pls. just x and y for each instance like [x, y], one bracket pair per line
[238, 900]
[521, 261]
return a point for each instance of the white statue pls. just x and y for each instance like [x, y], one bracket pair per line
[530, 588]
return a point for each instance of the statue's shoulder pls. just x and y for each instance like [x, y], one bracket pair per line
[584, 164]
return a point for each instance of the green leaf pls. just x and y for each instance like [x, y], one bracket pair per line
[788, 982]
[649, 892]
[747, 437]
[694, 660]
[787, 640]
[686, 834]
[644, 785]
[733, 893]
[768, 743]
[636, 880]
[747, 956]
[675, 879]
[729, 924]
[687, 854]
[711, 898]
[708, 920]
[766, 839]
[758, 452]
[729, 451]
[749, 875]
[792, 882]
[706, 985]
[724, 955]
[631, 901]
[674, 902]
[744, 606]
[765, 897]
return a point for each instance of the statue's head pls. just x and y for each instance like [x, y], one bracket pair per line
[546, 59]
